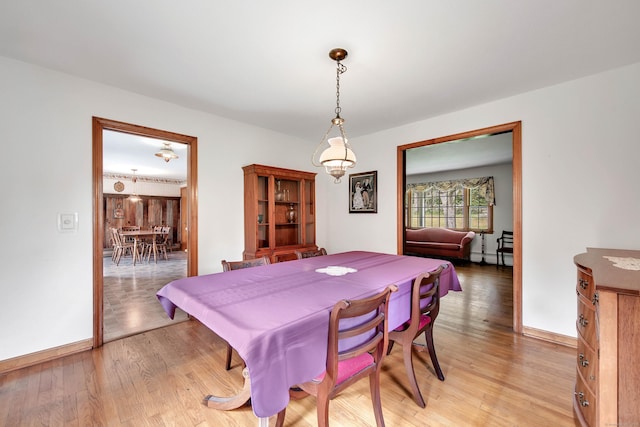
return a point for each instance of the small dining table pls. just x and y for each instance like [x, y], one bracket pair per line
[277, 316]
[136, 235]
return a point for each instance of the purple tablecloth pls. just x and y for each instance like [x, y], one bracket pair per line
[277, 316]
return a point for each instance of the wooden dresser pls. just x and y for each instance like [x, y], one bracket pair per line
[607, 391]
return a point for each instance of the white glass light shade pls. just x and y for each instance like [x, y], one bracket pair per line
[337, 158]
[167, 153]
[337, 154]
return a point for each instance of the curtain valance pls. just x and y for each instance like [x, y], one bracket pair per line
[484, 185]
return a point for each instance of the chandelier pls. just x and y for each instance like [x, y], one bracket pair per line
[166, 152]
[338, 156]
[134, 195]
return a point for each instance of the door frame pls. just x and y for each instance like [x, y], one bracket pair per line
[99, 125]
[516, 131]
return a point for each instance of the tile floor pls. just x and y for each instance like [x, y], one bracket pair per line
[130, 303]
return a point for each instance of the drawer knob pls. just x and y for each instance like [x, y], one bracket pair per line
[584, 284]
[584, 362]
[581, 399]
[583, 321]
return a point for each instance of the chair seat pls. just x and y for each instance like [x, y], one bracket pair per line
[348, 367]
[424, 321]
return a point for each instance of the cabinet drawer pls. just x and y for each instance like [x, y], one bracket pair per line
[584, 402]
[587, 364]
[585, 285]
[586, 324]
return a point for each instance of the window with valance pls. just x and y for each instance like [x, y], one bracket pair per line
[461, 204]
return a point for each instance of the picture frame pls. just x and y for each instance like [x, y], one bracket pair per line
[363, 192]
[118, 213]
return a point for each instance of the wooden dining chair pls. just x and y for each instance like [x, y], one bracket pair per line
[237, 265]
[160, 241]
[310, 254]
[425, 304]
[120, 247]
[347, 360]
[129, 239]
[505, 246]
[247, 263]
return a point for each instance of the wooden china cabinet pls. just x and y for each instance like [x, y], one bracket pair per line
[607, 386]
[279, 212]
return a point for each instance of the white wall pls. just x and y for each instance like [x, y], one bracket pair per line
[502, 212]
[46, 282]
[580, 149]
[580, 154]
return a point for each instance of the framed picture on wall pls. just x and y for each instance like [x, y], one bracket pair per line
[363, 192]
[118, 213]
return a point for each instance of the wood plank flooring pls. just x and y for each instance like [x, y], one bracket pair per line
[158, 378]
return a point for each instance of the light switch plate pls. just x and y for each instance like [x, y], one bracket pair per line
[67, 222]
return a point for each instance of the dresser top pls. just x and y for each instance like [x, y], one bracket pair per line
[613, 269]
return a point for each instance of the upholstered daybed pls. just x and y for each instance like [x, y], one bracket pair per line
[439, 243]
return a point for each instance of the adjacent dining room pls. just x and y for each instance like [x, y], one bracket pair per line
[144, 183]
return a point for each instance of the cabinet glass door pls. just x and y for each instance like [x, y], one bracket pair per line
[309, 212]
[287, 212]
[263, 212]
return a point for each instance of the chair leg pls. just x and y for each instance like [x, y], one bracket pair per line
[407, 352]
[391, 342]
[280, 419]
[118, 255]
[322, 403]
[227, 365]
[432, 353]
[374, 385]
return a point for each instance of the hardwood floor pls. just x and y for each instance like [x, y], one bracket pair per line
[493, 377]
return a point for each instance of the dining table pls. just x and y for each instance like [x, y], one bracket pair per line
[137, 236]
[277, 316]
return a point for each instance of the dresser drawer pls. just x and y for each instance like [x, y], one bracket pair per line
[584, 402]
[586, 323]
[587, 364]
[585, 285]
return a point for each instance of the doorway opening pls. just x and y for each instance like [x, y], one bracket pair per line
[516, 131]
[160, 209]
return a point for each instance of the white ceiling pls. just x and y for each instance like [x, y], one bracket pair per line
[266, 62]
[123, 152]
[461, 154]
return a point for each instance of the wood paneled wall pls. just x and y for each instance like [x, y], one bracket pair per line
[119, 211]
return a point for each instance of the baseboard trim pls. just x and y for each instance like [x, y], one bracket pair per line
[550, 336]
[31, 359]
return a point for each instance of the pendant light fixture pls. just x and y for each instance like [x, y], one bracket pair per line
[338, 156]
[134, 195]
[166, 152]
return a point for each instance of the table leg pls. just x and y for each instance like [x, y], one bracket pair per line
[155, 250]
[233, 402]
[135, 249]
